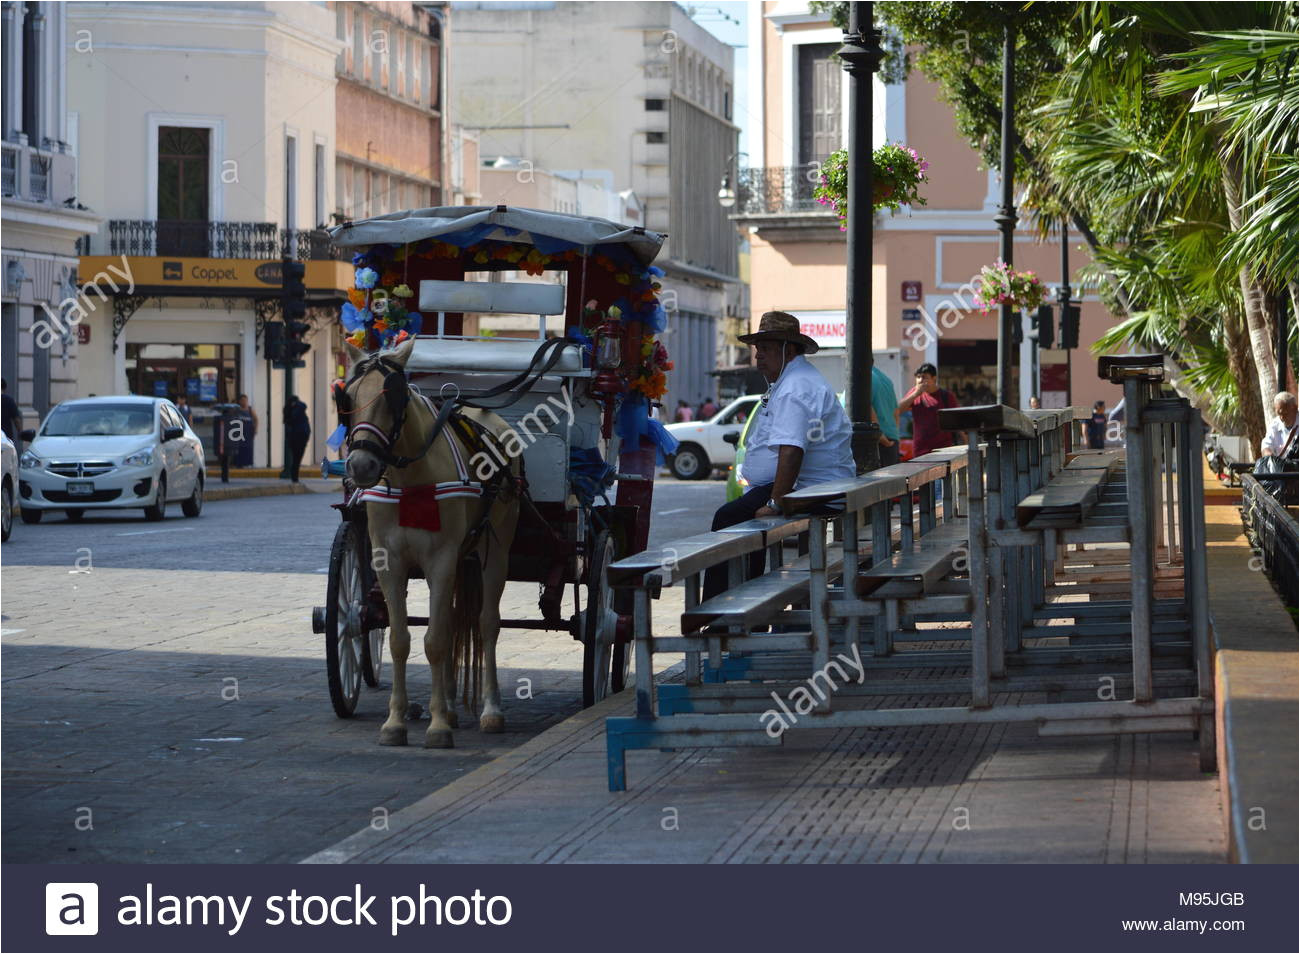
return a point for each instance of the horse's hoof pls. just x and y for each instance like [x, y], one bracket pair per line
[453, 720]
[395, 736]
[493, 723]
[439, 739]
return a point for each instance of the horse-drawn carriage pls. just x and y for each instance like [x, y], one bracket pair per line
[478, 458]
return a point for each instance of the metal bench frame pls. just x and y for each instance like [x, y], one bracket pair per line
[1162, 657]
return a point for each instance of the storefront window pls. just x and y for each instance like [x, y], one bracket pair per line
[207, 374]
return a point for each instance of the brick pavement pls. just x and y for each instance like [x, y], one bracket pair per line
[950, 794]
[112, 702]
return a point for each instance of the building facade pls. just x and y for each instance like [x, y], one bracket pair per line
[43, 216]
[392, 144]
[639, 96]
[212, 131]
[925, 258]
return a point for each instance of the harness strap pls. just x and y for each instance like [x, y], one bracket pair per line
[555, 347]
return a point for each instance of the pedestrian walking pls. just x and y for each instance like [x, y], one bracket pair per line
[684, 412]
[298, 428]
[246, 414]
[708, 409]
[925, 400]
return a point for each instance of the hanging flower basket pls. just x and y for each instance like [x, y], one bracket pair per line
[896, 176]
[1000, 285]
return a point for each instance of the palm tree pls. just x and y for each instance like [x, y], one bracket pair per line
[1173, 126]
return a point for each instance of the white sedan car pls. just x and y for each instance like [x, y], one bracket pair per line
[703, 445]
[8, 484]
[105, 453]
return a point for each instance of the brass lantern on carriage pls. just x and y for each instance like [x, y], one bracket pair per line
[607, 385]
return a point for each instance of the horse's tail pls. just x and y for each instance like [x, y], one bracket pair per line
[466, 633]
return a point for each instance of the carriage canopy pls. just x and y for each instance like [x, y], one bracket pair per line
[549, 232]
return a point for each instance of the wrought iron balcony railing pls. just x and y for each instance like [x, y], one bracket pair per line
[773, 190]
[251, 240]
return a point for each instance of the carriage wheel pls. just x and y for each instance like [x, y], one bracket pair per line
[344, 600]
[600, 655]
[372, 648]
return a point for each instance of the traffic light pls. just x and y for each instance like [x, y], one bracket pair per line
[273, 341]
[1043, 325]
[293, 304]
[1070, 326]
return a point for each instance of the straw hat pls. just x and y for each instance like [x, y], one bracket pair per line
[780, 326]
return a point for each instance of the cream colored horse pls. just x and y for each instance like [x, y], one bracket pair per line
[451, 641]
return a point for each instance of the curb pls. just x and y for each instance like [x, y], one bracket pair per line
[1255, 670]
[211, 493]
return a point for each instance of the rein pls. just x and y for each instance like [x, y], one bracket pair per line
[397, 391]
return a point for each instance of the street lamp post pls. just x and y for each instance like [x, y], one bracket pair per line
[1063, 299]
[861, 55]
[1006, 217]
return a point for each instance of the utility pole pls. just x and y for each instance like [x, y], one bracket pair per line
[861, 55]
[1006, 217]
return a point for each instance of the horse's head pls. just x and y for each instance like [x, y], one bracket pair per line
[373, 406]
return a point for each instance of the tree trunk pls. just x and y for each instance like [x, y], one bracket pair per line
[1243, 372]
[1253, 298]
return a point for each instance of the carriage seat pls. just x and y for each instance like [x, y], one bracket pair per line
[433, 354]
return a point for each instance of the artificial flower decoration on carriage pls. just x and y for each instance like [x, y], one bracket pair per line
[376, 317]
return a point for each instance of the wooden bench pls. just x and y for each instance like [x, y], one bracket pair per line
[755, 601]
[1065, 500]
[1095, 459]
[916, 569]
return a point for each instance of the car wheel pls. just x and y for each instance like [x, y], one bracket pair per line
[6, 511]
[192, 506]
[74, 514]
[690, 462]
[32, 515]
[158, 509]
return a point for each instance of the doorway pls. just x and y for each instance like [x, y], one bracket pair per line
[183, 190]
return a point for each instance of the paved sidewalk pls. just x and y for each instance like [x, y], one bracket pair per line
[182, 716]
[927, 794]
[1256, 665]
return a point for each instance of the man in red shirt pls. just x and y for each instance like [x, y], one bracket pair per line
[924, 401]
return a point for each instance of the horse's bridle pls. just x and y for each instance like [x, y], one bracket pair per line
[366, 436]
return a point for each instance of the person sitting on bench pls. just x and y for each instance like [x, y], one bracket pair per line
[802, 435]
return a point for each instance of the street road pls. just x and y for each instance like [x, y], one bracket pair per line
[282, 534]
[165, 700]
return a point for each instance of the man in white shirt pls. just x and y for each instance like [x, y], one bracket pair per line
[802, 436]
[1280, 428]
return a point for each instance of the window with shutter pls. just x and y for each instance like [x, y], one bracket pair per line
[820, 78]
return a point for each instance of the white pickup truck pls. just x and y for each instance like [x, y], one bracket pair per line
[703, 447]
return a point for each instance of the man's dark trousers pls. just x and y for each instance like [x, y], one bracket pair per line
[728, 515]
[889, 455]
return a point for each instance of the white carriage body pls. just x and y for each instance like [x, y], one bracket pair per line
[558, 411]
